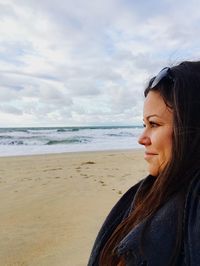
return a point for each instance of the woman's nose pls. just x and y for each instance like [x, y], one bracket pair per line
[144, 139]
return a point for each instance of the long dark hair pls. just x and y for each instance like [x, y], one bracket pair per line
[183, 97]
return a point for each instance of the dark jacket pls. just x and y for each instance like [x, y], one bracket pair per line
[160, 238]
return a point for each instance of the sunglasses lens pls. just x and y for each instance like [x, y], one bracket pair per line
[164, 73]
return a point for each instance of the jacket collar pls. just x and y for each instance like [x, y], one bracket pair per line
[159, 239]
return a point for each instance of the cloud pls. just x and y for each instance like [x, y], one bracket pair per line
[85, 62]
[9, 109]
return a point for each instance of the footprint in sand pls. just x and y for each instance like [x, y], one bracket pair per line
[84, 175]
[78, 169]
[102, 183]
[89, 162]
[52, 169]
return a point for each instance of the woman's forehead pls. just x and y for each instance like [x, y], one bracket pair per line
[154, 105]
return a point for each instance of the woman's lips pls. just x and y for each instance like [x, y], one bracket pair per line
[148, 155]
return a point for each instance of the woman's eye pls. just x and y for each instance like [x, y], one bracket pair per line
[153, 124]
[150, 124]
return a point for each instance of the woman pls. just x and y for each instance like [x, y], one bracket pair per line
[157, 221]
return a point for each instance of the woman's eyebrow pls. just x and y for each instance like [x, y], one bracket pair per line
[149, 116]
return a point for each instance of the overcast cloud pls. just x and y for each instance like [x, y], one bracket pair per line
[83, 62]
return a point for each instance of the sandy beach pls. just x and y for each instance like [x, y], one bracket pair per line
[52, 206]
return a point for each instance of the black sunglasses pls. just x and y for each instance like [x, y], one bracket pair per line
[164, 73]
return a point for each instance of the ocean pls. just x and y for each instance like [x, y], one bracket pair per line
[28, 141]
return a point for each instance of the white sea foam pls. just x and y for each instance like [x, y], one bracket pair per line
[24, 141]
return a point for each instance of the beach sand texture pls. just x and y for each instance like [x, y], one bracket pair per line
[52, 206]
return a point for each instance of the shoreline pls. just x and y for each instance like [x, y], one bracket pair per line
[52, 205]
[74, 152]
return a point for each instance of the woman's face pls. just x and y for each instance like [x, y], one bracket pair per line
[157, 134]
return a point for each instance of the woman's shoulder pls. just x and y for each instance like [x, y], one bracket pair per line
[124, 205]
[120, 209]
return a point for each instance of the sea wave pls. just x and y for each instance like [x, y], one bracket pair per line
[12, 142]
[43, 140]
[121, 134]
[5, 137]
[68, 130]
[67, 141]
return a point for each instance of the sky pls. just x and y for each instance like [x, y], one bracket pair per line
[83, 62]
